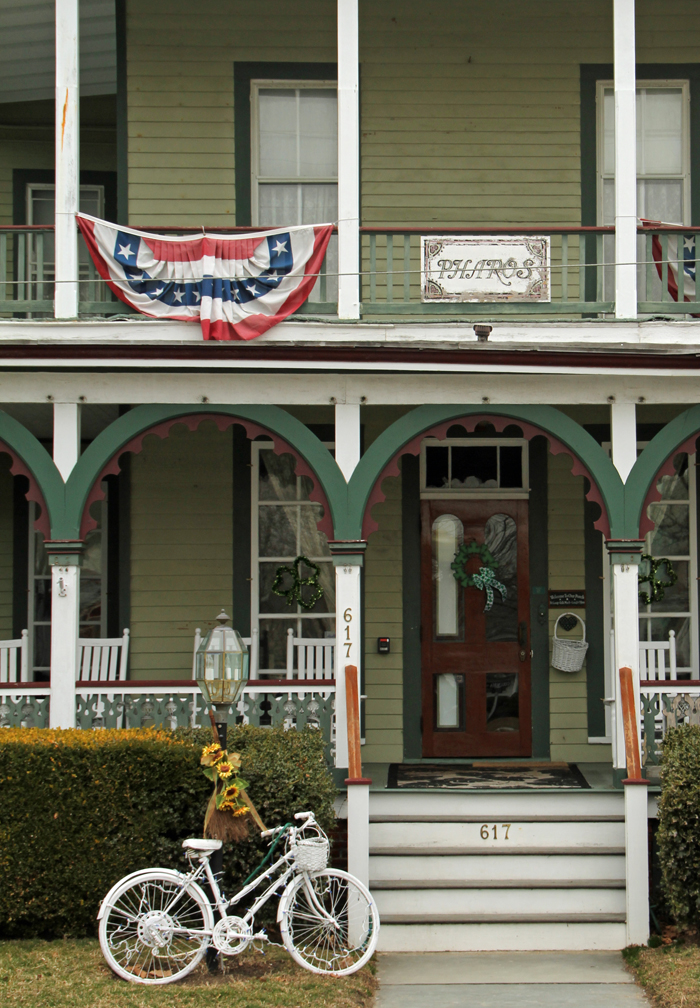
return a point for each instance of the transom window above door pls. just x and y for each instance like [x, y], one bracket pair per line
[294, 152]
[474, 467]
[663, 151]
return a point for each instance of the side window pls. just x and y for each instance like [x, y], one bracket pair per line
[663, 151]
[294, 161]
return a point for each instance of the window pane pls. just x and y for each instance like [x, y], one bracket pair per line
[675, 487]
[312, 542]
[42, 599]
[474, 467]
[277, 531]
[298, 133]
[273, 643]
[660, 200]
[676, 598]
[277, 480]
[447, 538]
[90, 601]
[500, 536]
[670, 537]
[436, 467]
[277, 110]
[318, 133]
[659, 129]
[270, 602]
[283, 205]
[511, 466]
[449, 699]
[657, 629]
[609, 131]
[502, 714]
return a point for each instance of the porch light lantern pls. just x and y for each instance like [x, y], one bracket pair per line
[222, 664]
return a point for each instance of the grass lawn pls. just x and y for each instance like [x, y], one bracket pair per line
[73, 974]
[670, 974]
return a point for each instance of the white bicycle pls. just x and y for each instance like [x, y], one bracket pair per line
[157, 924]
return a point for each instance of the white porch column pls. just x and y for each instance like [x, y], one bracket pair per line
[67, 157]
[623, 437]
[348, 558]
[64, 560]
[348, 161]
[625, 556]
[347, 437]
[66, 436]
[625, 160]
[637, 862]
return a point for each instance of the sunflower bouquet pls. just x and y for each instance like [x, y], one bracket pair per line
[229, 806]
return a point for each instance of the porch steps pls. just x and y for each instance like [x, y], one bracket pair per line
[506, 870]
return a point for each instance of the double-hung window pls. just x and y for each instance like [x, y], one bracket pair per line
[294, 147]
[663, 166]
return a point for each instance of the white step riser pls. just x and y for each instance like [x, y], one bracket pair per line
[505, 867]
[499, 901]
[500, 937]
[522, 803]
[467, 836]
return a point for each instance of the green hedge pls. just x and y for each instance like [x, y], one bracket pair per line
[678, 835]
[80, 809]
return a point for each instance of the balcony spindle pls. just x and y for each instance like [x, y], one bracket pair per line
[565, 267]
[665, 296]
[406, 268]
[21, 266]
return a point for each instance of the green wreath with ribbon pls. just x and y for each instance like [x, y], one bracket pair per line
[294, 593]
[485, 578]
[656, 585]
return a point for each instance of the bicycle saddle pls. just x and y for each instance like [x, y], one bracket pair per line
[204, 845]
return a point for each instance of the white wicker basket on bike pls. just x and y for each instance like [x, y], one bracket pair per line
[311, 853]
[568, 655]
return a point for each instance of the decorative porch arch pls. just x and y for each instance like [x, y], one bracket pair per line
[549, 421]
[677, 435]
[140, 421]
[31, 459]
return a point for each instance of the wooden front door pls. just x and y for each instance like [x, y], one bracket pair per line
[476, 650]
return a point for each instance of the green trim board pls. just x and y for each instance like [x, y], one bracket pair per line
[411, 560]
[595, 630]
[122, 216]
[593, 72]
[539, 579]
[243, 74]
[241, 517]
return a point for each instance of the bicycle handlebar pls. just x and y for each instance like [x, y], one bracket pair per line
[303, 815]
[271, 832]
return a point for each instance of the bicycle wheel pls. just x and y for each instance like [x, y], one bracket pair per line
[329, 922]
[152, 931]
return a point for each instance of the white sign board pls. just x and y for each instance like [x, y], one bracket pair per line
[485, 268]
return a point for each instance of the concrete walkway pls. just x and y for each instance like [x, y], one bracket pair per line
[506, 980]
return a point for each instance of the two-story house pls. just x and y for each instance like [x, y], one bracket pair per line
[482, 419]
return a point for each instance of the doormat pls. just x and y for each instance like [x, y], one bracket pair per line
[482, 776]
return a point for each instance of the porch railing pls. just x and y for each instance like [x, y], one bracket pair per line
[172, 704]
[665, 705]
[666, 271]
[27, 274]
[392, 278]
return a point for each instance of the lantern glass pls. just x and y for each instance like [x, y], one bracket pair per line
[221, 665]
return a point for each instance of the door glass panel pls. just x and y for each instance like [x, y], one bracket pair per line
[671, 535]
[500, 536]
[447, 538]
[449, 699]
[502, 707]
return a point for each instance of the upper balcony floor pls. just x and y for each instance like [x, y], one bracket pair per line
[478, 160]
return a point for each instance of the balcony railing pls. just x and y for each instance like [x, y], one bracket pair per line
[581, 270]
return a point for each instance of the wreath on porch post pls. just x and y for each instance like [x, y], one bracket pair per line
[484, 578]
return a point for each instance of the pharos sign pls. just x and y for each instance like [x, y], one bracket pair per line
[485, 268]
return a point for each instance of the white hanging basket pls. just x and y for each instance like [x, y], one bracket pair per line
[568, 655]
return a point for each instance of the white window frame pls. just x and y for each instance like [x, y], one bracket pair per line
[50, 186]
[255, 616]
[470, 493]
[255, 178]
[684, 85]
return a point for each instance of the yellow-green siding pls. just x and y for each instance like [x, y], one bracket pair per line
[181, 546]
[470, 111]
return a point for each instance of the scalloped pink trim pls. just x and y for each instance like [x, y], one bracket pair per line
[556, 447]
[18, 468]
[192, 422]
